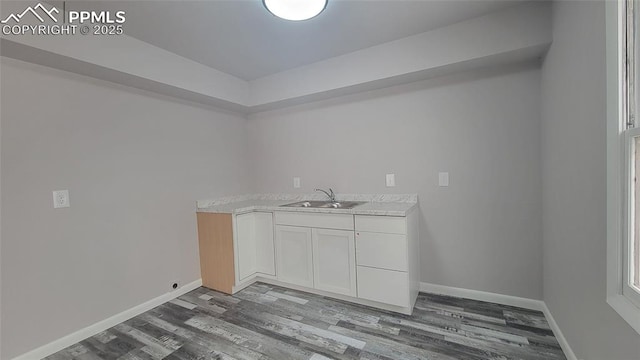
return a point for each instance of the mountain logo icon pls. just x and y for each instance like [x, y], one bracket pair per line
[39, 11]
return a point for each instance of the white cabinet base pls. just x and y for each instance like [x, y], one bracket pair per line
[254, 247]
[265, 247]
[294, 255]
[246, 246]
[387, 286]
[355, 300]
[334, 267]
[383, 251]
[368, 260]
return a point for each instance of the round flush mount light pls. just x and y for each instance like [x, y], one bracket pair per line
[295, 10]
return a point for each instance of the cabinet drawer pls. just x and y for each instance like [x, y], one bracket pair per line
[385, 251]
[325, 221]
[385, 286]
[381, 224]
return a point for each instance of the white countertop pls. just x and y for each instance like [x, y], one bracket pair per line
[243, 204]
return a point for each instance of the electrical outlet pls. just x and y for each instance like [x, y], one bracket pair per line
[175, 285]
[61, 199]
[443, 179]
[296, 182]
[391, 180]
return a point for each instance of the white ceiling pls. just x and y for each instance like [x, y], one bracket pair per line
[241, 38]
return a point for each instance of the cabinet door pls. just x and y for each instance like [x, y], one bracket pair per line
[246, 243]
[294, 255]
[334, 261]
[265, 252]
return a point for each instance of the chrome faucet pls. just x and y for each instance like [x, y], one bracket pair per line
[330, 194]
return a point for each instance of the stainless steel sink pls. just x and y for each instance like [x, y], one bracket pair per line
[342, 204]
[325, 204]
[307, 203]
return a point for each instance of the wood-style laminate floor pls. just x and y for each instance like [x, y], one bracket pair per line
[269, 322]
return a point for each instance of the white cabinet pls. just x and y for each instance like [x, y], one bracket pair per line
[372, 260]
[246, 243]
[334, 267]
[294, 255]
[315, 220]
[385, 286]
[317, 251]
[387, 259]
[265, 248]
[255, 248]
[381, 224]
[383, 251]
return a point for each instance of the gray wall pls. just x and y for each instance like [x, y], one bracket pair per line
[133, 177]
[0, 217]
[484, 231]
[574, 186]
[134, 164]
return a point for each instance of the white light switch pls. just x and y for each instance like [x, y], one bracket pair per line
[443, 179]
[296, 182]
[391, 180]
[61, 199]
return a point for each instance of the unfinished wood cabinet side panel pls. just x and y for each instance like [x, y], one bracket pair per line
[215, 236]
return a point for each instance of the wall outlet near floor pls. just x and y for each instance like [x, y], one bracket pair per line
[296, 183]
[175, 285]
[391, 180]
[61, 199]
[443, 179]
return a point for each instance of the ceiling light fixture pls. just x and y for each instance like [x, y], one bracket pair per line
[295, 10]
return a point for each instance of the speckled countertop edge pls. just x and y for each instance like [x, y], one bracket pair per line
[376, 204]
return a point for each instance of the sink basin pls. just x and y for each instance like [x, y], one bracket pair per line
[325, 204]
[306, 203]
[342, 204]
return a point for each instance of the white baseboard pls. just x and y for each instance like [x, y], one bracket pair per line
[57, 345]
[103, 325]
[568, 352]
[526, 303]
